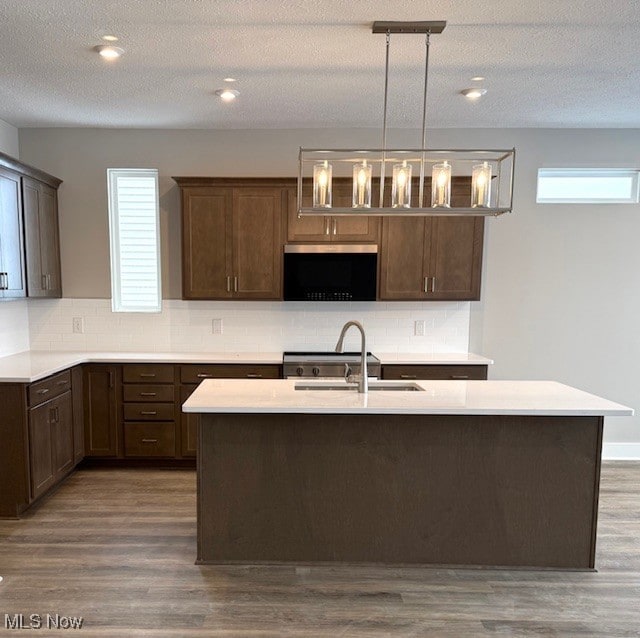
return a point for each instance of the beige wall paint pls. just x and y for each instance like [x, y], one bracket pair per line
[9, 139]
[561, 294]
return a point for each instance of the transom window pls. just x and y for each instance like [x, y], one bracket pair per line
[587, 186]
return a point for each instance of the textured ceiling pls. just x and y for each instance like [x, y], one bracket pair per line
[547, 63]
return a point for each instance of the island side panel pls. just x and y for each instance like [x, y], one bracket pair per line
[427, 489]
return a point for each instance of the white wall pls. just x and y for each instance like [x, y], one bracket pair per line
[560, 293]
[14, 320]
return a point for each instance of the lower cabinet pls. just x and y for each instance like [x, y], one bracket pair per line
[101, 423]
[445, 372]
[51, 452]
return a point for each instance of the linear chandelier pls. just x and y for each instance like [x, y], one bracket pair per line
[422, 181]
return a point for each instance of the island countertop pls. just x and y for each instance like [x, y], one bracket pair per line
[271, 396]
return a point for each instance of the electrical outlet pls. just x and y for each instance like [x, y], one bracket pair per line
[216, 326]
[418, 328]
[78, 325]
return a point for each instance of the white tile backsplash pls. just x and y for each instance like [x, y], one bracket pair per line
[14, 327]
[185, 326]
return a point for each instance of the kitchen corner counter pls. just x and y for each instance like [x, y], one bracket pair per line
[32, 365]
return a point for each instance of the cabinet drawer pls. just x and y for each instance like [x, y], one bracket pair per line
[196, 373]
[447, 372]
[48, 388]
[147, 373]
[150, 439]
[140, 392]
[148, 412]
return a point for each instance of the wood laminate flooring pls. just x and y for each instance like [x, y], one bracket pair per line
[117, 547]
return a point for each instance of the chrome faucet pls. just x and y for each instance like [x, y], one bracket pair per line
[363, 385]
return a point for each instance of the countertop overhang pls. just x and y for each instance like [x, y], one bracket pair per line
[263, 396]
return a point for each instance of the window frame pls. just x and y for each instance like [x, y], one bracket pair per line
[114, 243]
[590, 173]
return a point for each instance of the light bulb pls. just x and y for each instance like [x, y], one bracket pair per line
[322, 185]
[227, 95]
[441, 185]
[361, 185]
[108, 51]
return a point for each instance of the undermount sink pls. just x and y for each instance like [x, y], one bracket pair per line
[374, 386]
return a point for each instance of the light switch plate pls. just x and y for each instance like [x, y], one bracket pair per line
[418, 328]
[216, 326]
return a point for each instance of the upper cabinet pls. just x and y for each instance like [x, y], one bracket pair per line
[12, 274]
[29, 235]
[232, 240]
[359, 228]
[431, 258]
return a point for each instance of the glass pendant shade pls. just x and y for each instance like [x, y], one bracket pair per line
[322, 185]
[441, 185]
[481, 185]
[362, 185]
[401, 186]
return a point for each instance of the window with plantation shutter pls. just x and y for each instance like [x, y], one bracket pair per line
[135, 239]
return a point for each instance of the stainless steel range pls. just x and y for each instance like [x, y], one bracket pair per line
[327, 364]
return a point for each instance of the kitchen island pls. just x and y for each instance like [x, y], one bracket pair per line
[484, 473]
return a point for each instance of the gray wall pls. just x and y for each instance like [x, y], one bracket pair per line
[9, 139]
[561, 294]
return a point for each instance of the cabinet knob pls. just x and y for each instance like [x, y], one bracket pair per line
[316, 372]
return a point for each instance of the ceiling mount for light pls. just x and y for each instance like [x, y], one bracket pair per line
[109, 51]
[461, 181]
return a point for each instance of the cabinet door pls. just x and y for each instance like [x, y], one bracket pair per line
[456, 258]
[403, 254]
[206, 243]
[313, 228]
[257, 242]
[78, 414]
[360, 228]
[12, 274]
[41, 454]
[100, 410]
[62, 435]
[42, 244]
[188, 425]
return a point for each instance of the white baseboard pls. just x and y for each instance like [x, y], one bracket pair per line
[621, 451]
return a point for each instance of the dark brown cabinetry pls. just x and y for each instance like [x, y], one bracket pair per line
[101, 422]
[359, 228]
[192, 375]
[149, 410]
[42, 243]
[12, 272]
[431, 258]
[446, 372]
[232, 238]
[29, 235]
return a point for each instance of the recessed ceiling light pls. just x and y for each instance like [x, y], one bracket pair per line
[108, 51]
[227, 95]
[473, 94]
[477, 78]
[230, 80]
[110, 38]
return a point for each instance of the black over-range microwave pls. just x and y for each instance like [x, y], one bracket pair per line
[330, 272]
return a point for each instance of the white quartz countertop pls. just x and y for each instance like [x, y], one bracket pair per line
[423, 358]
[544, 398]
[32, 365]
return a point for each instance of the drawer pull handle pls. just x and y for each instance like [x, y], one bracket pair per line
[148, 412]
[408, 376]
[148, 394]
[202, 375]
[149, 440]
[148, 375]
[459, 376]
[253, 375]
[43, 391]
[65, 382]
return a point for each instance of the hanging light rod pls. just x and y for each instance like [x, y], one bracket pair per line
[432, 26]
